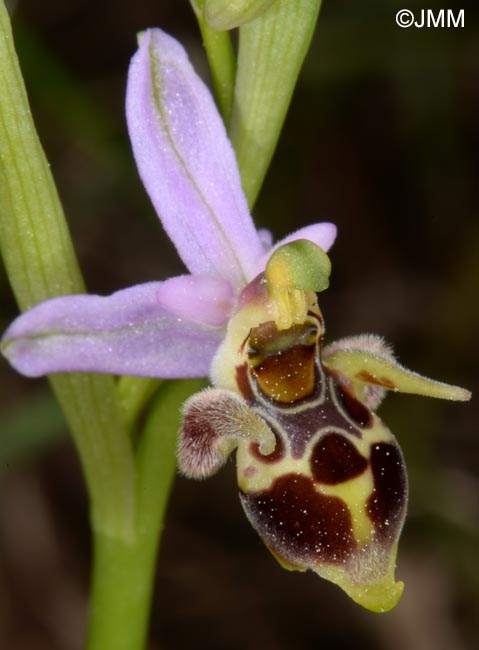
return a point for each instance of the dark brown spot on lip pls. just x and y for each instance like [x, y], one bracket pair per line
[366, 376]
[299, 524]
[243, 382]
[356, 410]
[386, 506]
[275, 456]
[335, 459]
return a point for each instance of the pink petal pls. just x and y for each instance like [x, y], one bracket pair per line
[187, 163]
[266, 239]
[198, 297]
[127, 333]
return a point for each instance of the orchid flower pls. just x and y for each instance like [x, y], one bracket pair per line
[321, 477]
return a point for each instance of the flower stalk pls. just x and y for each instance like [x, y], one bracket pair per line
[134, 395]
[123, 570]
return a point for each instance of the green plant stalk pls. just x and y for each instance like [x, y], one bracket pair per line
[123, 572]
[134, 394]
[41, 263]
[222, 60]
[273, 46]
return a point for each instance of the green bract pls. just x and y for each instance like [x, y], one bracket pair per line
[273, 46]
[226, 14]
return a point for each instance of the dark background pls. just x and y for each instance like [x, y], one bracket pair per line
[382, 138]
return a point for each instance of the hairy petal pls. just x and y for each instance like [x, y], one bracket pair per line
[127, 333]
[214, 423]
[322, 234]
[372, 394]
[365, 361]
[187, 163]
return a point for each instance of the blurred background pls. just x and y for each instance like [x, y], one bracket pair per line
[383, 139]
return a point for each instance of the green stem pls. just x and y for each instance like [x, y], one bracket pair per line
[222, 60]
[119, 594]
[134, 394]
[273, 46]
[123, 572]
[41, 263]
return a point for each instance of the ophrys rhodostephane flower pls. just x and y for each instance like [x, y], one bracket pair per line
[321, 477]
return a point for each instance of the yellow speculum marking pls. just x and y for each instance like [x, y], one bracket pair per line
[355, 492]
[266, 473]
[257, 476]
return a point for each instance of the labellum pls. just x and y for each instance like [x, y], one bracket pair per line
[321, 478]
